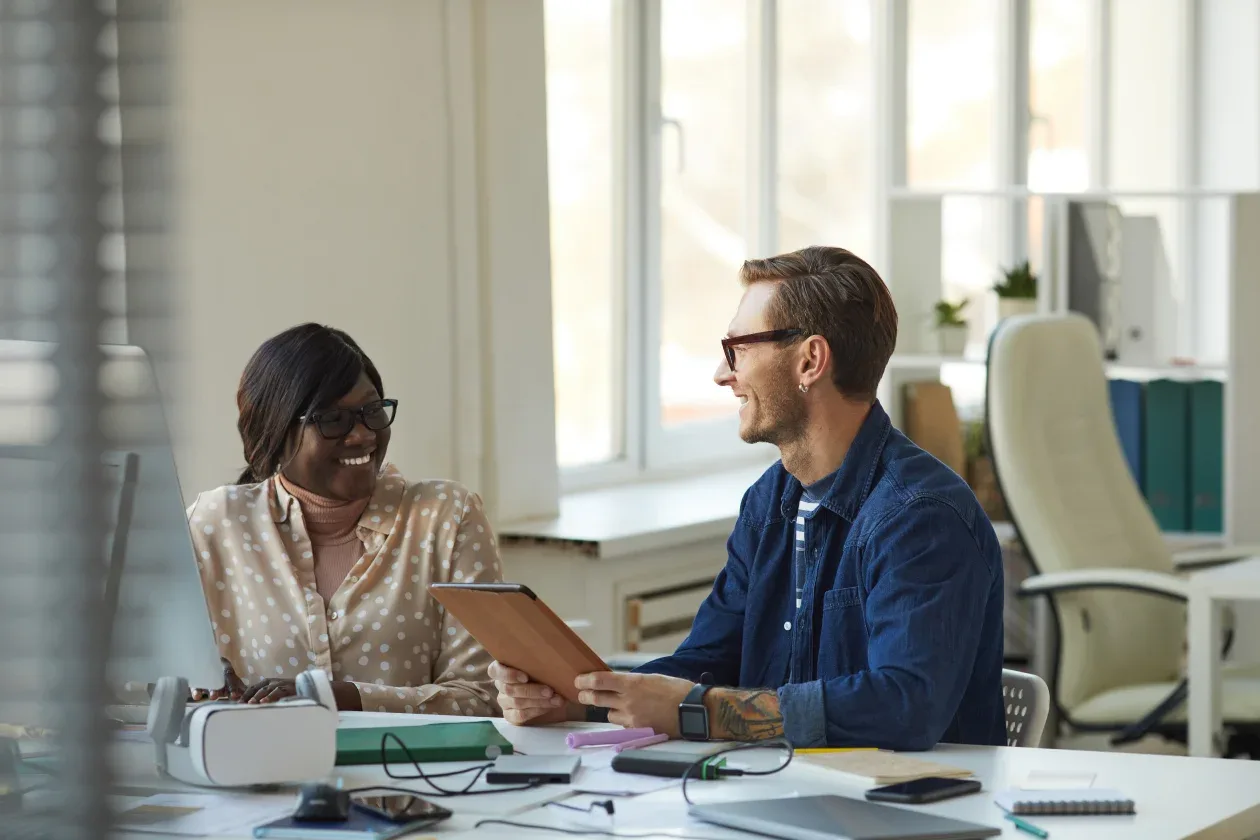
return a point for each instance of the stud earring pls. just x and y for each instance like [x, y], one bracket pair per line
[804, 388]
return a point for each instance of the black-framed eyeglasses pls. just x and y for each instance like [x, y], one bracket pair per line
[729, 344]
[336, 423]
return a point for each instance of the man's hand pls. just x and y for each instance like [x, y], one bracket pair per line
[526, 702]
[636, 700]
[651, 700]
[233, 686]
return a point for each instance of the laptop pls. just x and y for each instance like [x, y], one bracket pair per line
[836, 818]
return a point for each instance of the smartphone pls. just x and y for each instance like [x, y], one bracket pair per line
[922, 791]
[400, 807]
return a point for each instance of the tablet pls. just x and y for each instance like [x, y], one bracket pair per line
[521, 632]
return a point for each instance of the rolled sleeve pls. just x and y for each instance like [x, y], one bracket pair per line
[804, 714]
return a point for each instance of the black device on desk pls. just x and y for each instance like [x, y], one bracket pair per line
[670, 765]
[400, 807]
[923, 791]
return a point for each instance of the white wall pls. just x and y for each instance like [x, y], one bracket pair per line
[336, 162]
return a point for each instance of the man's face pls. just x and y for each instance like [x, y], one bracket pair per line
[772, 409]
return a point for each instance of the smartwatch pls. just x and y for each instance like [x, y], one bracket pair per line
[693, 717]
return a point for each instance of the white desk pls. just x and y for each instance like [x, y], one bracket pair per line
[1176, 797]
[1208, 590]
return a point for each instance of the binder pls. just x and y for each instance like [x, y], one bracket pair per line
[1126, 411]
[465, 741]
[1166, 462]
[1207, 456]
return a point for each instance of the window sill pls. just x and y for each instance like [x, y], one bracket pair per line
[636, 518]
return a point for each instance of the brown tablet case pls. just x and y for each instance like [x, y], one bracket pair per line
[521, 632]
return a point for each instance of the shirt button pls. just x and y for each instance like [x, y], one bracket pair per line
[332, 615]
[787, 625]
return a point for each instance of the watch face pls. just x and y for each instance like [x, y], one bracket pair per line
[693, 721]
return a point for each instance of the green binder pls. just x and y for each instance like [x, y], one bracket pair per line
[1207, 456]
[463, 741]
[1166, 477]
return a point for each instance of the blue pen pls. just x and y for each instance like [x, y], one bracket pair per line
[1023, 825]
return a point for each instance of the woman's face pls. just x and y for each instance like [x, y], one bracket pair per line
[346, 468]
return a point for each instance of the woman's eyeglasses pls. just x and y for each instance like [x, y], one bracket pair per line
[336, 423]
[729, 344]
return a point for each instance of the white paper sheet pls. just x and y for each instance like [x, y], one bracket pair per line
[201, 815]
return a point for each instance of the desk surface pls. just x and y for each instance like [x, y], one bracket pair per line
[1176, 797]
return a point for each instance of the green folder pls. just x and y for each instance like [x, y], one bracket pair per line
[1166, 477]
[464, 741]
[1207, 456]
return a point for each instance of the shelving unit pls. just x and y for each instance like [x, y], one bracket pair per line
[1201, 282]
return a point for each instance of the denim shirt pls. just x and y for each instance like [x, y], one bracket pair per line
[898, 640]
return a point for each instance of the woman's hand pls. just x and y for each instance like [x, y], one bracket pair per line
[526, 702]
[346, 694]
[270, 691]
[233, 686]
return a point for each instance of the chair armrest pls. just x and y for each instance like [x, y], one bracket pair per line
[1134, 580]
[1202, 558]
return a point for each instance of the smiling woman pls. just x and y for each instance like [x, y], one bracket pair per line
[321, 554]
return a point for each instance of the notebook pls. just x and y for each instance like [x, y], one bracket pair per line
[881, 767]
[1065, 802]
[837, 818]
[466, 741]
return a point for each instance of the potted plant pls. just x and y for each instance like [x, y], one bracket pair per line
[1017, 291]
[951, 327]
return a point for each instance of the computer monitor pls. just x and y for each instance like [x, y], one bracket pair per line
[161, 624]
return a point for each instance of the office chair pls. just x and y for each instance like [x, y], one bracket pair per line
[1026, 699]
[1096, 550]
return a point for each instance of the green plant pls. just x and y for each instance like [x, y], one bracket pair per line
[975, 444]
[950, 314]
[1017, 282]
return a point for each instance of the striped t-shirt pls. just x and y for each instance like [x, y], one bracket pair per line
[811, 496]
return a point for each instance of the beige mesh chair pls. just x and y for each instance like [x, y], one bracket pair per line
[1027, 702]
[1099, 555]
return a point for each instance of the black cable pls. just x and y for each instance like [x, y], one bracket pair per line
[428, 777]
[581, 832]
[698, 766]
[605, 805]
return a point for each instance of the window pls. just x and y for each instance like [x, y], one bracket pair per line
[746, 132]
[584, 286]
[689, 135]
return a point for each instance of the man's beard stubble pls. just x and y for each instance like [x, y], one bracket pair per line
[780, 411]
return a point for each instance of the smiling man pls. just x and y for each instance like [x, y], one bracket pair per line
[861, 601]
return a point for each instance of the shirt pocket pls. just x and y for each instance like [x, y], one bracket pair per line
[845, 596]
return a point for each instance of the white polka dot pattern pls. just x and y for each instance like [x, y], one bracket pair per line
[271, 621]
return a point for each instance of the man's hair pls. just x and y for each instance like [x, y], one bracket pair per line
[833, 293]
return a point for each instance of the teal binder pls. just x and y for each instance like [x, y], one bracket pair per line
[1166, 461]
[1207, 456]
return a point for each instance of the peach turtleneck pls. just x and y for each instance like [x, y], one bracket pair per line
[333, 529]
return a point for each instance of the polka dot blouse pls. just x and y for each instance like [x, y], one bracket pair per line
[380, 629]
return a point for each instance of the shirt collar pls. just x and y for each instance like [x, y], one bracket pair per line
[390, 486]
[856, 475]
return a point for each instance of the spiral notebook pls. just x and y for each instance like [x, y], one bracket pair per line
[1064, 802]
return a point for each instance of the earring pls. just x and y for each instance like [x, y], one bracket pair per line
[804, 388]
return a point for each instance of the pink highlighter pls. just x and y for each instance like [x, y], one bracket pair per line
[606, 737]
[640, 742]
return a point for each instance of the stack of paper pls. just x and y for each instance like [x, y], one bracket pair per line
[881, 767]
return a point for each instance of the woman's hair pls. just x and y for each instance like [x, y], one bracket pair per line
[303, 369]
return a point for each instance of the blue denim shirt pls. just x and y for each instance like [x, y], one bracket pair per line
[898, 641]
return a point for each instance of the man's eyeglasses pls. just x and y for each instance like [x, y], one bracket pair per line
[336, 423]
[729, 344]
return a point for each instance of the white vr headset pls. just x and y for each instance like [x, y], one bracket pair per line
[224, 744]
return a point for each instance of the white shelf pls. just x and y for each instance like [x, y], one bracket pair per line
[1024, 192]
[1115, 370]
